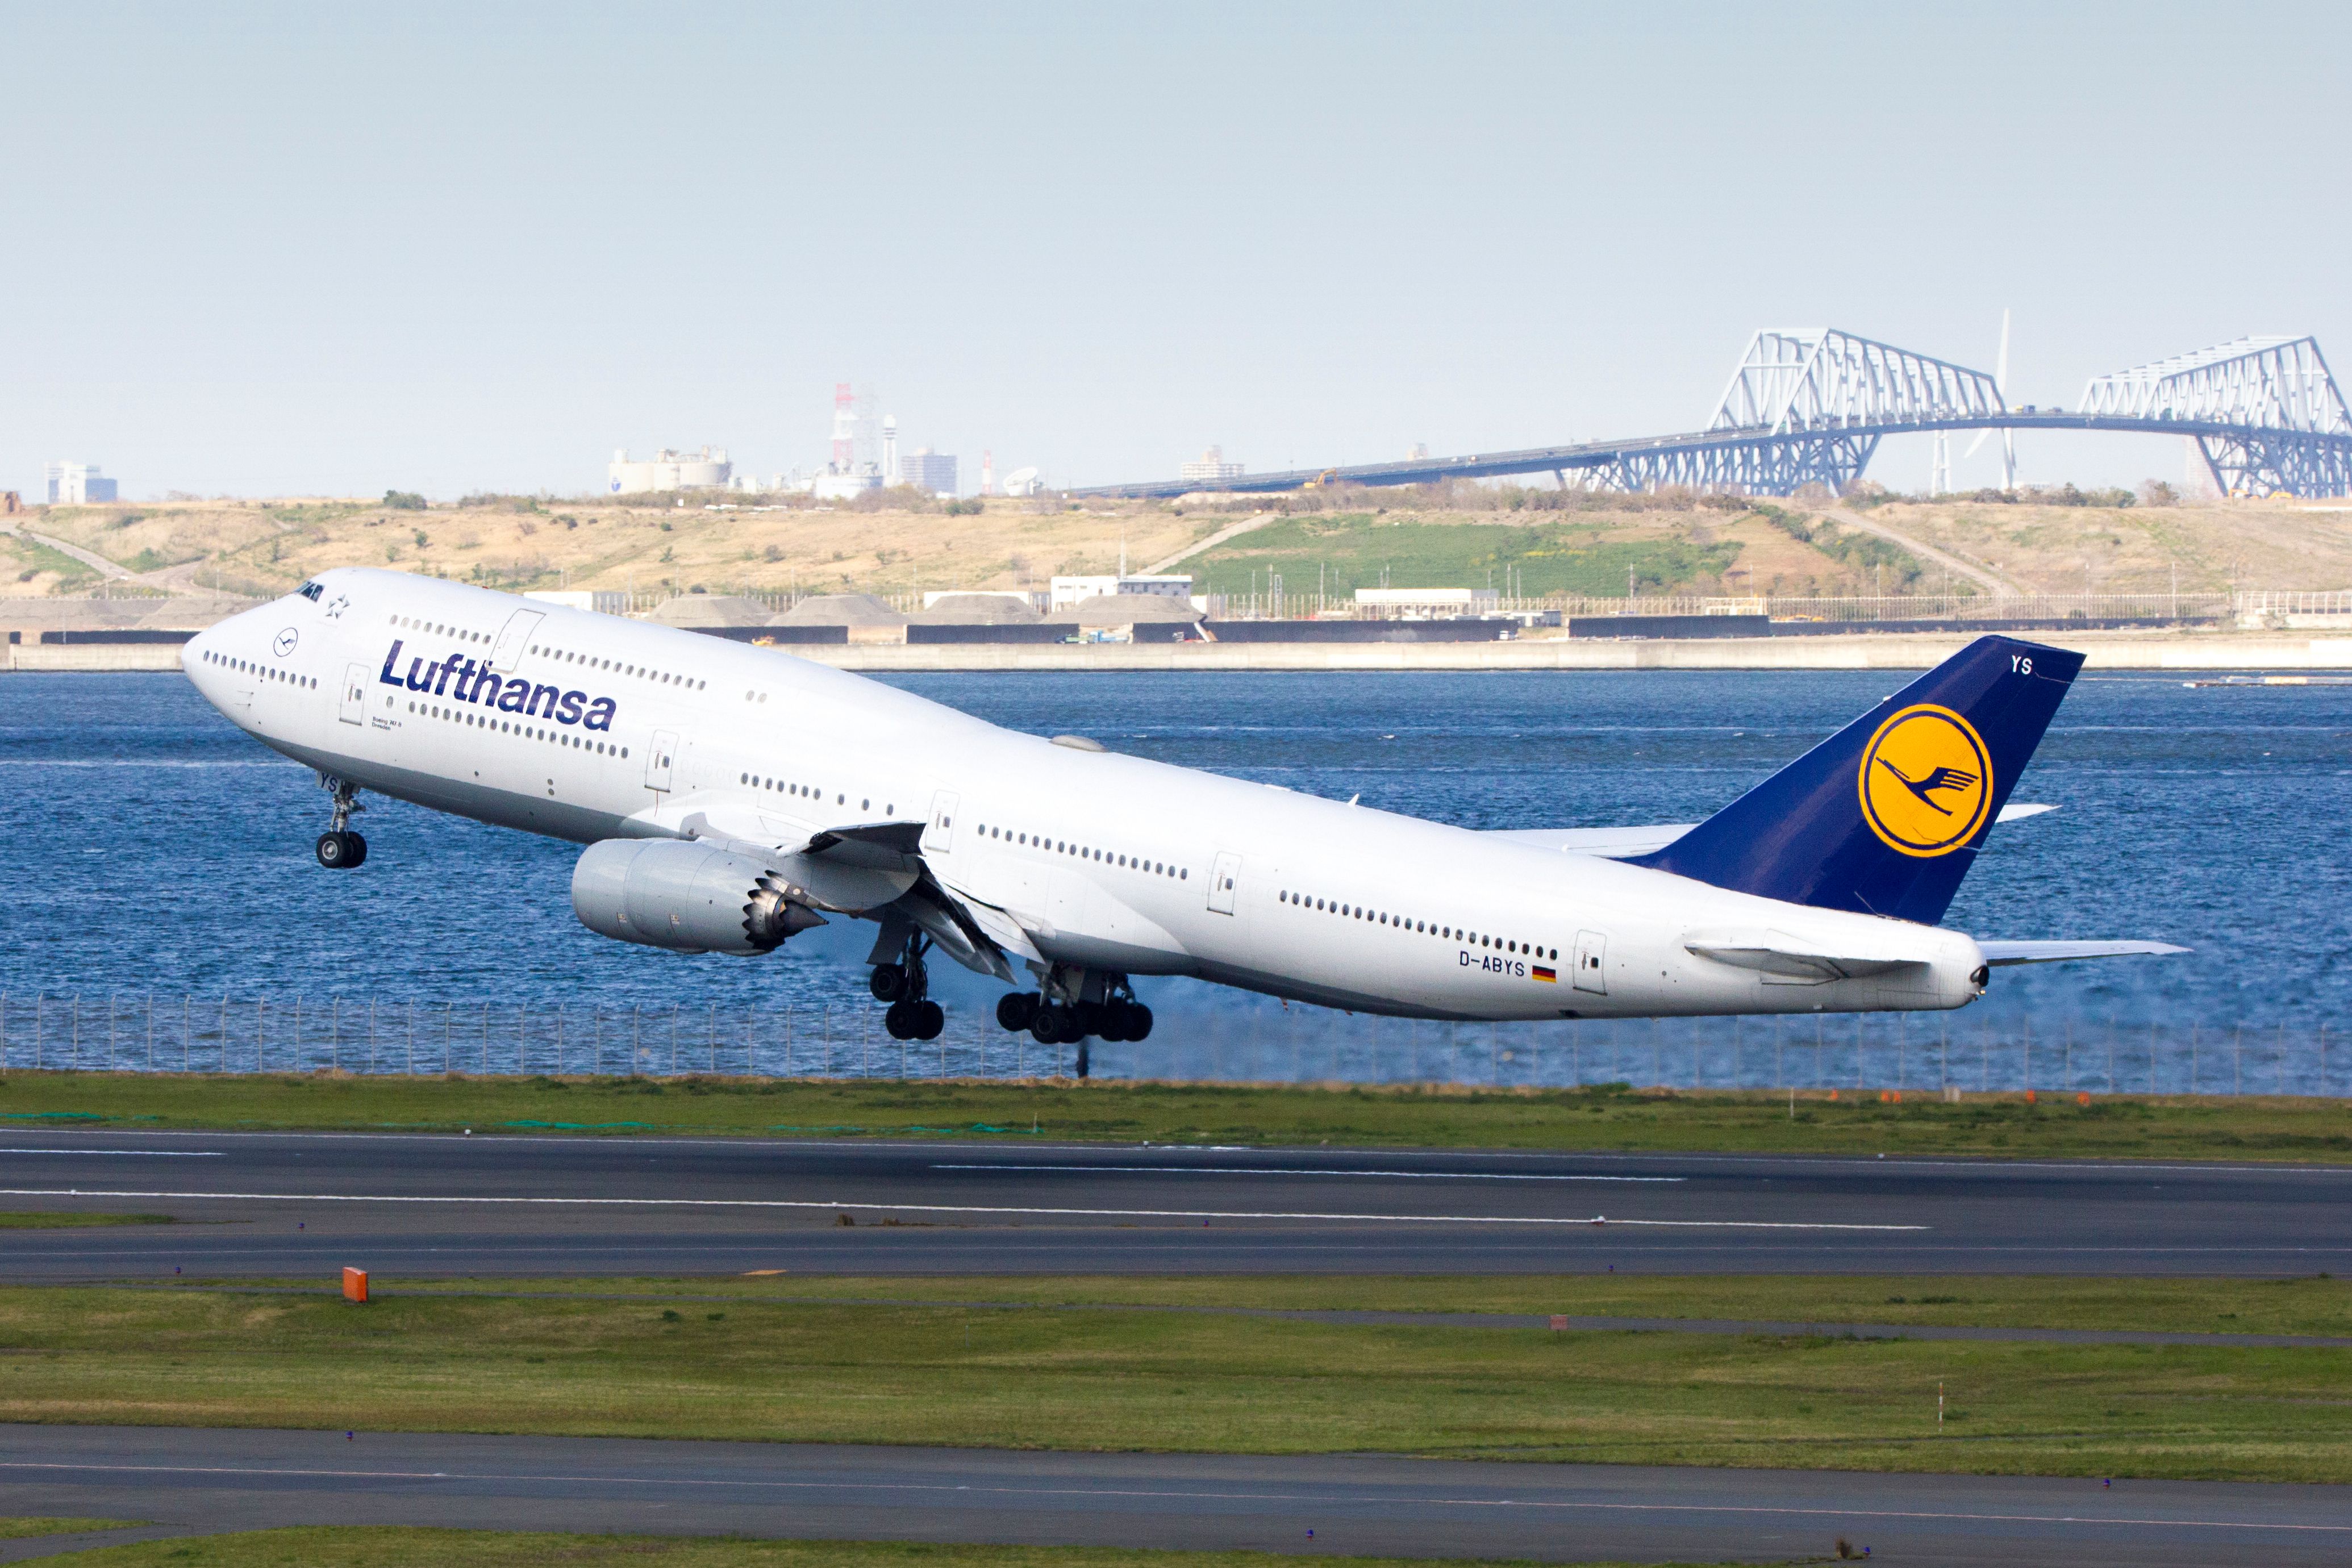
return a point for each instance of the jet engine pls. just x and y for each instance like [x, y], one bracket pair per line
[683, 895]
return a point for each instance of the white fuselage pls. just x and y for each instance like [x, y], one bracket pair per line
[613, 728]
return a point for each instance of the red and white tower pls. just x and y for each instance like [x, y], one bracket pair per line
[987, 472]
[845, 429]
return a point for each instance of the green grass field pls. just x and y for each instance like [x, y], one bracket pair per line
[398, 1548]
[2312, 1305]
[1609, 1117]
[1138, 1380]
[23, 1529]
[57, 1220]
[1347, 550]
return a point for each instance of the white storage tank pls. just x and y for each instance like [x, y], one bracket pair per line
[669, 470]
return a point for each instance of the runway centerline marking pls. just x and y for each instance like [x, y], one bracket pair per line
[1303, 1171]
[967, 1208]
[1341, 1496]
[125, 1153]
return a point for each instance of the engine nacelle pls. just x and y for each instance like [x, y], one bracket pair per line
[685, 896]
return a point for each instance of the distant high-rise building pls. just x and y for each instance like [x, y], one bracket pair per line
[76, 484]
[889, 447]
[987, 472]
[1211, 466]
[933, 473]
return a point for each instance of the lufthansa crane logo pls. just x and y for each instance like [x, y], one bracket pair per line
[1925, 781]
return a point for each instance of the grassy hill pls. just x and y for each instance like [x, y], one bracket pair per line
[1461, 536]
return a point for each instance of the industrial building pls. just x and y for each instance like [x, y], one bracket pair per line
[603, 601]
[1069, 593]
[1211, 466]
[668, 471]
[76, 484]
[1421, 603]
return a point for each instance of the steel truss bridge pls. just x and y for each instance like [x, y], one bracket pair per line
[1810, 406]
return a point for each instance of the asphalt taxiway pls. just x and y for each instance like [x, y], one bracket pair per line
[296, 1204]
[211, 1480]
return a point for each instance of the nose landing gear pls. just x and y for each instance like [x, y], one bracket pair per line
[339, 849]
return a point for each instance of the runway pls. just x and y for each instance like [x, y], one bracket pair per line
[293, 1206]
[210, 1480]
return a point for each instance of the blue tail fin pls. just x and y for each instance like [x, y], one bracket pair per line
[1885, 817]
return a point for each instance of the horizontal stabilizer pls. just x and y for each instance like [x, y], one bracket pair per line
[1999, 953]
[1615, 843]
[1607, 842]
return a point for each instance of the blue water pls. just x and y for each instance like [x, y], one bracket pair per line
[150, 849]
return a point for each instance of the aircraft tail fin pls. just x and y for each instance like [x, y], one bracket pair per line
[1885, 817]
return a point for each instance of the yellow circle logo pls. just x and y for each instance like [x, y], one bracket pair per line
[1926, 781]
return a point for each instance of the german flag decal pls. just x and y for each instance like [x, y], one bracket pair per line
[1546, 975]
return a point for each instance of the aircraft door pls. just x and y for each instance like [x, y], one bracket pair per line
[1225, 879]
[1593, 962]
[514, 637]
[940, 836]
[355, 690]
[658, 758]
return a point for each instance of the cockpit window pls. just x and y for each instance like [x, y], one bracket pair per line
[310, 591]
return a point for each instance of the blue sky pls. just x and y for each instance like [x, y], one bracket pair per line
[264, 249]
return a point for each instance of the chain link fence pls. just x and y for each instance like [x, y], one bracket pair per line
[1924, 1052]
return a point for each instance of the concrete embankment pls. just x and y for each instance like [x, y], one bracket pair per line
[93, 655]
[2107, 650]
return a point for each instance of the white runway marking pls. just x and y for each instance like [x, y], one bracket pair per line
[1340, 1495]
[964, 1208]
[126, 1153]
[1306, 1171]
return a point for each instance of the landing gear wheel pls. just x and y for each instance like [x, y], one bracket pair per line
[929, 1019]
[900, 1019]
[1015, 1011]
[888, 982]
[340, 849]
[1046, 1026]
[1138, 1025]
[1084, 1064]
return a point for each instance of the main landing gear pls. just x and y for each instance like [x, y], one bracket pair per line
[340, 849]
[905, 985]
[1061, 1013]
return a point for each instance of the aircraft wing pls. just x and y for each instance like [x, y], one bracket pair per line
[1619, 843]
[870, 866]
[2003, 952]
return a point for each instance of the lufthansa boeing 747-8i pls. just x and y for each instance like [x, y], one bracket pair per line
[732, 795]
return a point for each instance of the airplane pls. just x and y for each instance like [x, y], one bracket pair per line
[731, 796]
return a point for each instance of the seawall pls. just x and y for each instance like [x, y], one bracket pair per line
[2107, 650]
